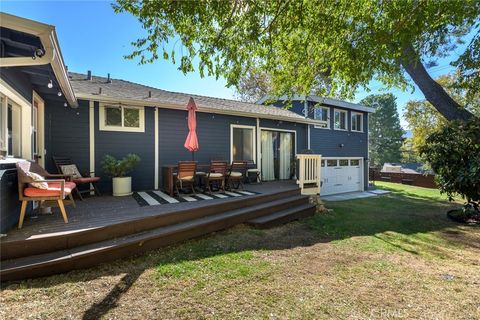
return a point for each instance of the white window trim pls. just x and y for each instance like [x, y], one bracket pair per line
[346, 119]
[254, 128]
[328, 117]
[104, 127]
[361, 121]
[25, 118]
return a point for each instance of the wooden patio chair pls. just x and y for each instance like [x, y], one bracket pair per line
[35, 184]
[253, 173]
[237, 174]
[66, 166]
[216, 175]
[185, 175]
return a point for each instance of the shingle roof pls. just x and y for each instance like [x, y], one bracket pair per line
[126, 90]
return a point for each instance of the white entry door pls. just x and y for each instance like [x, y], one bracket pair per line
[340, 176]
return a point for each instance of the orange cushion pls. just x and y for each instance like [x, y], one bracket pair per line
[53, 190]
[86, 180]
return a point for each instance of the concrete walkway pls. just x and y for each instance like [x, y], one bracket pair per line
[354, 195]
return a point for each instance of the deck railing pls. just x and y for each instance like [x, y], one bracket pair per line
[309, 173]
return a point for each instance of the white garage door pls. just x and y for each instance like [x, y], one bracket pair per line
[341, 175]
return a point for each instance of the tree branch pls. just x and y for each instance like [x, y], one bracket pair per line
[433, 92]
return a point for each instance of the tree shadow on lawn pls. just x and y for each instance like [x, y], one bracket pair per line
[390, 218]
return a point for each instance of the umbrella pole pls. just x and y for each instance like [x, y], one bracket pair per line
[193, 155]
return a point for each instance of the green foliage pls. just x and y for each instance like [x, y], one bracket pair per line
[350, 41]
[423, 119]
[409, 154]
[454, 154]
[119, 168]
[385, 132]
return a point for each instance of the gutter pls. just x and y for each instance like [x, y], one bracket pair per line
[53, 56]
[142, 103]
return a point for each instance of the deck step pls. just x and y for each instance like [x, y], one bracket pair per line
[11, 249]
[283, 216]
[85, 256]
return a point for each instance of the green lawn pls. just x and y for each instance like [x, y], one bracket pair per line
[395, 256]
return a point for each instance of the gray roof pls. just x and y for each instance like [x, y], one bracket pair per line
[126, 90]
[322, 101]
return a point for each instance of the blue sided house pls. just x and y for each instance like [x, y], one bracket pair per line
[47, 111]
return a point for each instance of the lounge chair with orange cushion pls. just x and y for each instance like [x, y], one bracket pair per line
[66, 166]
[35, 184]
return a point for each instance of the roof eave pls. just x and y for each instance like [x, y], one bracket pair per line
[154, 103]
[318, 99]
[53, 55]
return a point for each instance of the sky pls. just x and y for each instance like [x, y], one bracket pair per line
[93, 37]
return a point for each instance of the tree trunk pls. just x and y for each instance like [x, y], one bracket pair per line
[433, 92]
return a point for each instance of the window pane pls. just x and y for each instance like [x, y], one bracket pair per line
[321, 114]
[356, 122]
[131, 118]
[325, 114]
[14, 129]
[331, 163]
[243, 144]
[113, 116]
[343, 163]
[340, 120]
[354, 162]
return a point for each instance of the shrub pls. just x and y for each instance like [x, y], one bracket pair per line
[453, 152]
[119, 168]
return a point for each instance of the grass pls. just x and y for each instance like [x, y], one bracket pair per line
[388, 257]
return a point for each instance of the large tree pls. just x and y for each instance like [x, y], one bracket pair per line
[385, 132]
[351, 41]
[253, 85]
[423, 119]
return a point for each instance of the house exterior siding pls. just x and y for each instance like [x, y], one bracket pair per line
[119, 144]
[299, 128]
[67, 134]
[335, 143]
[213, 131]
[18, 81]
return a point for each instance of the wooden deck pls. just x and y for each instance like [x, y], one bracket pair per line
[95, 212]
[106, 228]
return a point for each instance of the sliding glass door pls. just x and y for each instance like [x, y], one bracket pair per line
[277, 149]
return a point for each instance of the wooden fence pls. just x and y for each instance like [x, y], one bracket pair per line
[419, 180]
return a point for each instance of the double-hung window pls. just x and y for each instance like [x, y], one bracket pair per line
[340, 120]
[323, 114]
[357, 123]
[122, 118]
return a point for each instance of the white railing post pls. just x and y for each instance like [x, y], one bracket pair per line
[309, 173]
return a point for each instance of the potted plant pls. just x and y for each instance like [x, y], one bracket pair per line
[118, 170]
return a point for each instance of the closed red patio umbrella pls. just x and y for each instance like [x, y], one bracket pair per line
[191, 143]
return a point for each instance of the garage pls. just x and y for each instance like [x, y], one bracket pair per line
[340, 175]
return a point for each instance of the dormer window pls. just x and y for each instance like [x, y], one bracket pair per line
[323, 114]
[357, 122]
[340, 120]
